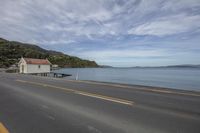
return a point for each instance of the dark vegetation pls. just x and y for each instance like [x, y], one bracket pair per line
[12, 51]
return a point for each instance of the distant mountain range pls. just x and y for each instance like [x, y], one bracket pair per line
[185, 66]
[171, 66]
[12, 51]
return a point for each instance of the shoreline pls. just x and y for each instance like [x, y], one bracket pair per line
[32, 97]
[120, 85]
[143, 87]
[181, 79]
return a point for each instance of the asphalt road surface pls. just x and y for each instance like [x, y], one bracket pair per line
[31, 104]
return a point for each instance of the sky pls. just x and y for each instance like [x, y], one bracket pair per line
[120, 33]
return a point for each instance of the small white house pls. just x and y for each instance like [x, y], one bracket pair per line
[30, 65]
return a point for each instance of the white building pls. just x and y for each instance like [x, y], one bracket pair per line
[29, 65]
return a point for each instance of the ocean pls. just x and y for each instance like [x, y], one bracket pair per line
[177, 78]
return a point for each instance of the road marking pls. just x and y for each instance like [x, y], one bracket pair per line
[140, 88]
[46, 85]
[50, 117]
[44, 106]
[117, 100]
[3, 129]
[93, 129]
[130, 87]
[107, 98]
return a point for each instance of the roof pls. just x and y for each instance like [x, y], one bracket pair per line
[37, 61]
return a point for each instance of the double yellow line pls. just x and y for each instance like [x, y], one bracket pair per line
[83, 93]
[3, 129]
[156, 90]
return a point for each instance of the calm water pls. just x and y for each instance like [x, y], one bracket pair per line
[179, 78]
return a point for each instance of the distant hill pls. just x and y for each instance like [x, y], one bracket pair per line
[105, 66]
[172, 66]
[184, 66]
[12, 51]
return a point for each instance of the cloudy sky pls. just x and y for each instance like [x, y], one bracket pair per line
[111, 32]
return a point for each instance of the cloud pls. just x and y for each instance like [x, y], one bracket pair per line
[168, 25]
[55, 42]
[103, 55]
[94, 19]
[178, 5]
[125, 58]
[94, 25]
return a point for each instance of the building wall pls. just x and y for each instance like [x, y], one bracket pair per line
[32, 68]
[22, 63]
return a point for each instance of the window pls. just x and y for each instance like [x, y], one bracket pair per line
[39, 66]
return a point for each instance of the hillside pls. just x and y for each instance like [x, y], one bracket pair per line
[12, 51]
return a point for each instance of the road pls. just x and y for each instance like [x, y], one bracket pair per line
[31, 104]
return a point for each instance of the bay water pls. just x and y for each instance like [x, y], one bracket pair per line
[177, 78]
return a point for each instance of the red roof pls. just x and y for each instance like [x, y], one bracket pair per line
[37, 61]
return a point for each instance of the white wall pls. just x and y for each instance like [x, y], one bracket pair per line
[32, 68]
[22, 62]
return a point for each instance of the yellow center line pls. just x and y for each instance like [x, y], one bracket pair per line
[107, 98]
[3, 129]
[112, 99]
[140, 89]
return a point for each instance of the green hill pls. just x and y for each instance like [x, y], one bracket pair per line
[12, 51]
